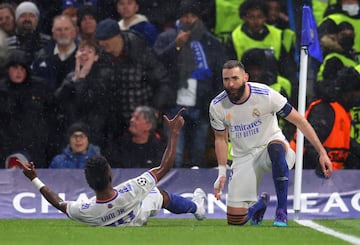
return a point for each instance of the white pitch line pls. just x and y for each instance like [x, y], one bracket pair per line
[348, 238]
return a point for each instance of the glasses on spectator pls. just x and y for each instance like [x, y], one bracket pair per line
[80, 136]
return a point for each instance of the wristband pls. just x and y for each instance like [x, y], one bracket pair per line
[38, 183]
[222, 169]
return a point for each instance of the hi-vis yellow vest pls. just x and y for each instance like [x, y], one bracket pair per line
[227, 18]
[282, 83]
[339, 17]
[355, 123]
[355, 119]
[319, 7]
[345, 60]
[243, 42]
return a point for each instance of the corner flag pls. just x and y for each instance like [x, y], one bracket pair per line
[309, 35]
[310, 45]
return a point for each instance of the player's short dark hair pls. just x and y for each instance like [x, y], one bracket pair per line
[97, 172]
[232, 64]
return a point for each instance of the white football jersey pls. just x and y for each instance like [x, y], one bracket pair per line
[252, 123]
[124, 209]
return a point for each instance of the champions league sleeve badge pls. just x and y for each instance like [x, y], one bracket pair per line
[141, 181]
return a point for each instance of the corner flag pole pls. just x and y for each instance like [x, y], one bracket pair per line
[310, 45]
[300, 137]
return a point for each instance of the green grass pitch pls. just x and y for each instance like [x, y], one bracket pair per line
[169, 232]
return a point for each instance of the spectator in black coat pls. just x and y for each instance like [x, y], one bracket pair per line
[25, 106]
[83, 96]
[140, 78]
[140, 146]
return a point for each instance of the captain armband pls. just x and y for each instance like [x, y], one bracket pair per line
[285, 111]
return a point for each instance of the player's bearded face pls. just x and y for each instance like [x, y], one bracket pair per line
[235, 94]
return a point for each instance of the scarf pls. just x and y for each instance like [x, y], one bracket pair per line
[192, 61]
[202, 70]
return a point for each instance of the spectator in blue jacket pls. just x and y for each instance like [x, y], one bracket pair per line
[78, 150]
[193, 57]
[131, 20]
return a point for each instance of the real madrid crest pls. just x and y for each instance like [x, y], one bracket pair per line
[256, 113]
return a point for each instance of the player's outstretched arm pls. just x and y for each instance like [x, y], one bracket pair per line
[30, 172]
[168, 158]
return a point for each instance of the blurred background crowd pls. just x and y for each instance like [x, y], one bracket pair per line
[84, 78]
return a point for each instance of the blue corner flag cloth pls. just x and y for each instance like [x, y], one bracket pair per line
[309, 35]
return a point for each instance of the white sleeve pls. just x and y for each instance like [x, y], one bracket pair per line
[216, 119]
[278, 101]
[144, 183]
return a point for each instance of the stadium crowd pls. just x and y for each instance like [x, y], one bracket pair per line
[115, 66]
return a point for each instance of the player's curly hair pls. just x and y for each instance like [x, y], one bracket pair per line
[97, 172]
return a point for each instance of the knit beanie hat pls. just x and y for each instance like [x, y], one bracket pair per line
[26, 7]
[17, 159]
[86, 10]
[78, 127]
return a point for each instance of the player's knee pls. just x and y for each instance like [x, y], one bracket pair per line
[166, 198]
[276, 151]
[237, 219]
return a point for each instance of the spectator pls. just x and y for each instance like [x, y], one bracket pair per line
[57, 59]
[27, 37]
[319, 8]
[140, 78]
[194, 57]
[277, 17]
[83, 94]
[222, 17]
[141, 146]
[78, 150]
[353, 160]
[342, 55]
[7, 19]
[330, 118]
[162, 13]
[72, 13]
[87, 18]
[342, 11]
[131, 20]
[25, 110]
[255, 33]
[3, 53]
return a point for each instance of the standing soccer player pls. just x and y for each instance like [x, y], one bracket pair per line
[130, 203]
[247, 113]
